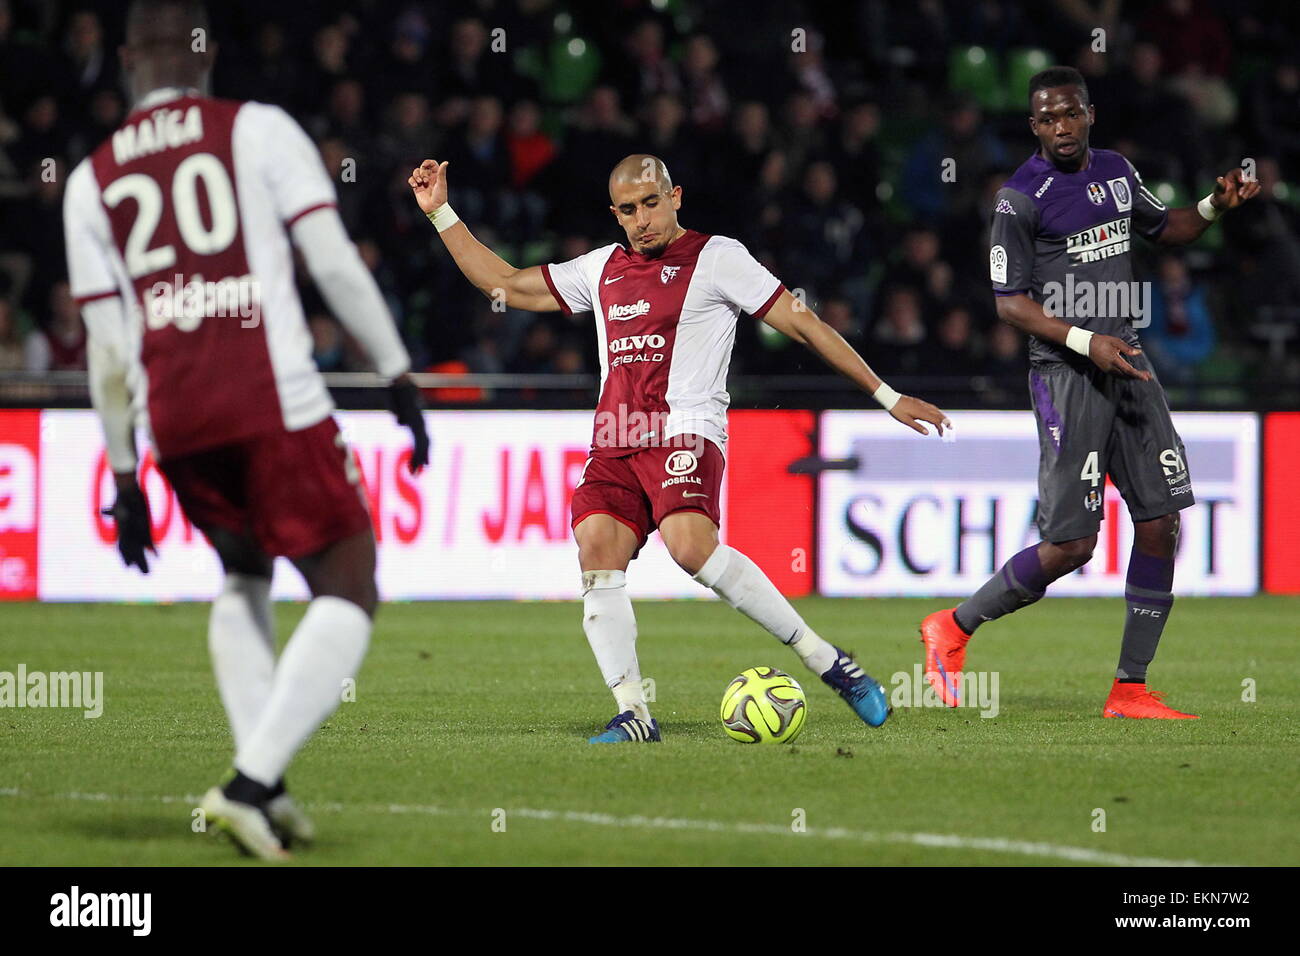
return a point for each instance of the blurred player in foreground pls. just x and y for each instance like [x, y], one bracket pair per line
[666, 309]
[1060, 242]
[175, 225]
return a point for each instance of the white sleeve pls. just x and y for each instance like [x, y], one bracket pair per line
[572, 282]
[349, 289]
[107, 364]
[291, 164]
[737, 277]
[88, 238]
[93, 285]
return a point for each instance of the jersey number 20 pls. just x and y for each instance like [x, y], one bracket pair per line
[203, 240]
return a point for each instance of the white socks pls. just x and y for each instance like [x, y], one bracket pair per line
[610, 626]
[241, 640]
[742, 584]
[326, 648]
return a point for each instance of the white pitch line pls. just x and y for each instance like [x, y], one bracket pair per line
[947, 841]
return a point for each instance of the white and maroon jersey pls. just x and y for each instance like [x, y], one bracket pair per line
[666, 327]
[184, 214]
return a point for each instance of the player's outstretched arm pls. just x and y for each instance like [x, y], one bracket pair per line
[1188, 223]
[497, 279]
[1105, 351]
[792, 318]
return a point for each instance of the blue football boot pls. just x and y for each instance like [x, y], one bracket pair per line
[625, 728]
[859, 690]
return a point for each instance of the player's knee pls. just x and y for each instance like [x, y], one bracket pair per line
[691, 553]
[1075, 554]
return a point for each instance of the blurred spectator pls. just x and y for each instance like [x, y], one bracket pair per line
[61, 346]
[945, 170]
[344, 116]
[1275, 113]
[1006, 364]
[855, 154]
[480, 163]
[707, 101]
[953, 350]
[87, 66]
[823, 237]
[1197, 52]
[645, 69]
[531, 149]
[266, 73]
[1161, 125]
[808, 73]
[12, 357]
[326, 343]
[409, 134]
[1181, 334]
[899, 334]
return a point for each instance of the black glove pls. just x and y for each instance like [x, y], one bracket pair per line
[408, 405]
[134, 533]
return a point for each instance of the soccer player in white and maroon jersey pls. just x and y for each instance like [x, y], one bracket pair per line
[666, 309]
[186, 212]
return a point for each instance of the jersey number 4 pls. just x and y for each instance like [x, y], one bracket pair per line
[201, 239]
[1091, 470]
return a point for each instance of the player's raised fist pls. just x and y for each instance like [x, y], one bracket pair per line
[1232, 189]
[913, 411]
[1107, 353]
[428, 182]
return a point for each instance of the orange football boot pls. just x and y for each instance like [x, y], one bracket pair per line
[1134, 700]
[945, 654]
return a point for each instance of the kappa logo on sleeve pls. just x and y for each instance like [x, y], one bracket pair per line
[1004, 206]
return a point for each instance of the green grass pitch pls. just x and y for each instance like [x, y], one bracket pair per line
[466, 709]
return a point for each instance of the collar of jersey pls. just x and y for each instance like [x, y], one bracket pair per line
[163, 94]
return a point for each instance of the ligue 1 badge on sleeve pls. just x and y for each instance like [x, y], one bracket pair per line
[668, 273]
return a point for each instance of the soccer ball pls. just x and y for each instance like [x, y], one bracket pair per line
[763, 706]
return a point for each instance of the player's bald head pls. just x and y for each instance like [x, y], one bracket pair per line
[167, 44]
[165, 23]
[640, 168]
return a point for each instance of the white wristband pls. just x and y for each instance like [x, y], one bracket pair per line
[1207, 210]
[886, 396]
[1078, 339]
[444, 217]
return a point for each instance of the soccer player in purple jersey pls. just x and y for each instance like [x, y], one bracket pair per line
[1060, 244]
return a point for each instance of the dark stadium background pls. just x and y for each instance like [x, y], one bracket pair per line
[826, 162]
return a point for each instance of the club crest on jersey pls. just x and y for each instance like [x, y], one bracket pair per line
[1119, 189]
[681, 463]
[1096, 193]
[1092, 500]
[668, 273]
[621, 313]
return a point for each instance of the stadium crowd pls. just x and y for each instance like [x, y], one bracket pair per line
[817, 134]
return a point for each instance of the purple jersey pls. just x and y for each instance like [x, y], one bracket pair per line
[1064, 239]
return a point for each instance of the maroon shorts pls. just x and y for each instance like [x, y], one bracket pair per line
[643, 488]
[294, 493]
